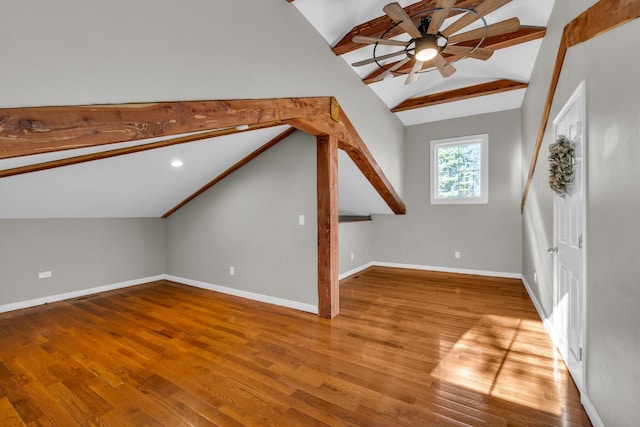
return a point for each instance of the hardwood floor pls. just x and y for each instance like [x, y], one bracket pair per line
[409, 348]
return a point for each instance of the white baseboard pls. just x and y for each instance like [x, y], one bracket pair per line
[590, 408]
[354, 271]
[310, 308]
[448, 269]
[546, 321]
[76, 294]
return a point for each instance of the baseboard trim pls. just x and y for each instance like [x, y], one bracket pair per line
[354, 271]
[546, 321]
[447, 269]
[309, 308]
[590, 408]
[76, 294]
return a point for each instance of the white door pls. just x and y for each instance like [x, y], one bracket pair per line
[569, 243]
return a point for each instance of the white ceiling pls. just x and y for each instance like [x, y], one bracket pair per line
[335, 18]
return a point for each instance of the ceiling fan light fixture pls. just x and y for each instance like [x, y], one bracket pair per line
[427, 48]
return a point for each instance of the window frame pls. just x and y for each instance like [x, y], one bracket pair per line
[483, 140]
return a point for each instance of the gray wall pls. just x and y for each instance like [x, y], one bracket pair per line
[164, 50]
[356, 238]
[249, 220]
[613, 206]
[488, 236]
[80, 253]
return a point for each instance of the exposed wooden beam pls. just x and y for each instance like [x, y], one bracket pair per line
[327, 188]
[350, 141]
[128, 150]
[523, 35]
[377, 26]
[468, 92]
[231, 170]
[25, 131]
[599, 18]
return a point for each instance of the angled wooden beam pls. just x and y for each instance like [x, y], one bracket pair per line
[350, 141]
[232, 169]
[128, 150]
[599, 18]
[523, 35]
[25, 131]
[377, 26]
[327, 190]
[468, 92]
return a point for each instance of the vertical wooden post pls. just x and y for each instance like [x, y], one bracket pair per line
[327, 190]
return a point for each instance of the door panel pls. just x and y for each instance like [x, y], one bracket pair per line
[569, 212]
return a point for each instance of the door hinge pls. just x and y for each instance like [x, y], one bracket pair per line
[580, 241]
[580, 354]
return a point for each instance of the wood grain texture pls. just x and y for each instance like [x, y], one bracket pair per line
[468, 92]
[25, 131]
[231, 170]
[128, 150]
[523, 35]
[410, 348]
[327, 206]
[603, 16]
[376, 27]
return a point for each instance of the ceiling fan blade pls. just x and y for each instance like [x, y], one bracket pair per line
[398, 15]
[374, 40]
[508, 26]
[386, 72]
[439, 16]
[481, 53]
[446, 69]
[413, 75]
[379, 58]
[483, 9]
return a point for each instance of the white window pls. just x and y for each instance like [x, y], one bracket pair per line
[460, 170]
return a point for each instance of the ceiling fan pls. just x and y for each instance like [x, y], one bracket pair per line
[429, 42]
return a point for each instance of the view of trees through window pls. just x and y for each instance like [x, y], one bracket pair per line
[459, 170]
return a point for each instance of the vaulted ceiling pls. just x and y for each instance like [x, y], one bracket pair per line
[478, 86]
[81, 55]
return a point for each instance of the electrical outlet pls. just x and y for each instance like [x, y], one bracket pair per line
[535, 277]
[300, 219]
[232, 271]
[44, 274]
[456, 254]
[352, 256]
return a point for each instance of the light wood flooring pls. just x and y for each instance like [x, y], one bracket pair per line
[409, 348]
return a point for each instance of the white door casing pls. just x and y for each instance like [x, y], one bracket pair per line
[569, 214]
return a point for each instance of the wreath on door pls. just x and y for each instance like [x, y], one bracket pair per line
[561, 155]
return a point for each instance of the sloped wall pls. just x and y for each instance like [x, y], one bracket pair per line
[613, 205]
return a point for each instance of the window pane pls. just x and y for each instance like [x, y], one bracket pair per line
[458, 170]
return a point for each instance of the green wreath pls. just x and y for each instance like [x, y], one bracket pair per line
[561, 165]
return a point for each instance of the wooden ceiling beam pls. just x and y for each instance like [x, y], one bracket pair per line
[377, 26]
[350, 141]
[603, 16]
[69, 161]
[490, 88]
[27, 131]
[523, 35]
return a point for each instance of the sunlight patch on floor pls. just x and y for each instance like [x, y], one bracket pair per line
[502, 356]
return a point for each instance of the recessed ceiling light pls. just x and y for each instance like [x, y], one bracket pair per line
[177, 163]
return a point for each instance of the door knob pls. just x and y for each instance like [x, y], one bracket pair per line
[553, 250]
